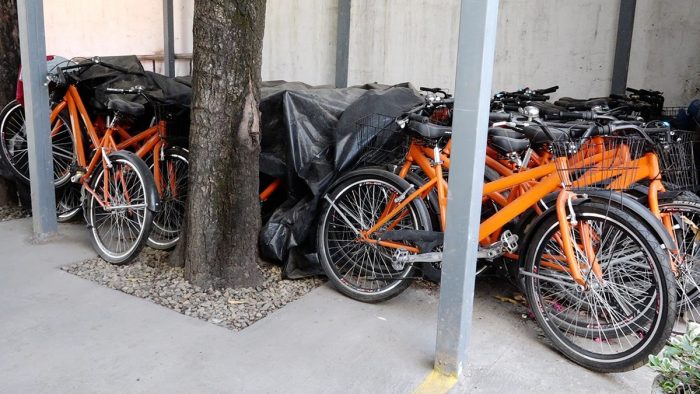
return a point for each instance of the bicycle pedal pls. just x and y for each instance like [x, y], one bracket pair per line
[510, 241]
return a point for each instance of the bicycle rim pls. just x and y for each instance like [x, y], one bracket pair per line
[14, 140]
[167, 223]
[686, 222]
[361, 266]
[118, 231]
[614, 323]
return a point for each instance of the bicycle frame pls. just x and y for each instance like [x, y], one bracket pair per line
[150, 140]
[550, 180]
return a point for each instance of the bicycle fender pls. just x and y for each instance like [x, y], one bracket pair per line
[629, 203]
[642, 211]
[350, 174]
[152, 197]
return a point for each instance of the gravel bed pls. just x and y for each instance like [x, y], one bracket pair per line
[12, 212]
[150, 277]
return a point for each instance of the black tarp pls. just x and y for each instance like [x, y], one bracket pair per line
[308, 139]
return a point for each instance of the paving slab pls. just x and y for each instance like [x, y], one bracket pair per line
[61, 334]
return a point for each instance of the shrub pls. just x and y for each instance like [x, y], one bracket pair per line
[679, 363]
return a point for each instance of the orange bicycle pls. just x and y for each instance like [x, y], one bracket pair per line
[121, 195]
[597, 273]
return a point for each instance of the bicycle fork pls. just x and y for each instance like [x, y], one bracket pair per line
[571, 249]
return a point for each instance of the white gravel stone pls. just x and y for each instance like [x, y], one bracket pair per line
[12, 212]
[150, 277]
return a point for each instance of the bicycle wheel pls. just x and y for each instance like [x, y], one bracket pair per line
[68, 203]
[14, 148]
[167, 223]
[365, 271]
[120, 228]
[685, 214]
[611, 326]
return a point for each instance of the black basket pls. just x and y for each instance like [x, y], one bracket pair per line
[380, 140]
[583, 170]
[676, 153]
[177, 120]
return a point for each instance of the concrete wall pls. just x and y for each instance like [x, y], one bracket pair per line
[666, 49]
[299, 41]
[540, 42]
[126, 27]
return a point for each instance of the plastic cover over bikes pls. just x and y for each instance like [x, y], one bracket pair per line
[307, 140]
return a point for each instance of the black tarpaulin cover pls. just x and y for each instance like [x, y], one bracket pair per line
[308, 139]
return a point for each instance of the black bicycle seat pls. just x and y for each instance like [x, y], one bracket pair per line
[539, 137]
[430, 130]
[126, 107]
[509, 145]
[501, 132]
[581, 104]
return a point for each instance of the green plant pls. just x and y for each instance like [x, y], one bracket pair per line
[679, 363]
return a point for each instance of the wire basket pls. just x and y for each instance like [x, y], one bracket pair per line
[671, 113]
[380, 140]
[603, 163]
[676, 152]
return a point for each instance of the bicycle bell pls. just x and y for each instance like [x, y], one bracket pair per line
[530, 112]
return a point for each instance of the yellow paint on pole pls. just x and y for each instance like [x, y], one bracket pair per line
[436, 383]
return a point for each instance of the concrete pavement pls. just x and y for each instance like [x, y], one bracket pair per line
[60, 334]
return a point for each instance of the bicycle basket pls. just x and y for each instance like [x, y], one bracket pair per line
[675, 150]
[380, 140]
[601, 163]
[177, 120]
[671, 113]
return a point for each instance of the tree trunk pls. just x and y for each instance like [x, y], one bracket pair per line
[9, 66]
[220, 243]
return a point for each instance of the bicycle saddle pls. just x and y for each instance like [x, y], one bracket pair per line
[581, 104]
[430, 130]
[538, 137]
[509, 145]
[501, 132]
[126, 107]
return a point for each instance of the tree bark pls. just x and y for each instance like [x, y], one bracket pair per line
[223, 212]
[9, 67]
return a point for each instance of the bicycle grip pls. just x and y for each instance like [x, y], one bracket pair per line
[536, 97]
[418, 118]
[584, 115]
[548, 90]
[499, 116]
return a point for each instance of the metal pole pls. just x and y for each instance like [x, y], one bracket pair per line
[625, 27]
[36, 100]
[475, 57]
[168, 39]
[342, 51]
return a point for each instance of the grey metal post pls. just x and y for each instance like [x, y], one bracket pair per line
[342, 51]
[36, 100]
[475, 57]
[625, 27]
[168, 39]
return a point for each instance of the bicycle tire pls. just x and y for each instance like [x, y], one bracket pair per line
[658, 308]
[14, 151]
[129, 170]
[68, 203]
[167, 223]
[685, 212]
[382, 281]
